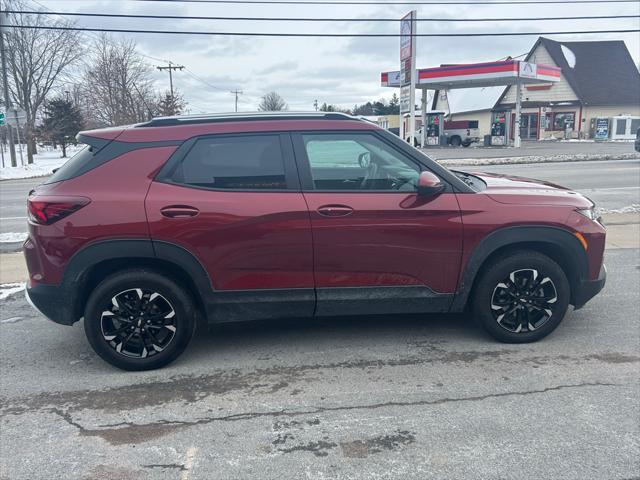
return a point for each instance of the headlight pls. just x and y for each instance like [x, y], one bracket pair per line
[591, 213]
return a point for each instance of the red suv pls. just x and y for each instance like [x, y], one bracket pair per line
[239, 217]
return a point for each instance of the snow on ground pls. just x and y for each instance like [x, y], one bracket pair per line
[43, 163]
[13, 237]
[8, 289]
[633, 208]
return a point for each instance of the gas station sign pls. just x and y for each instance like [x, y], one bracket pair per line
[407, 72]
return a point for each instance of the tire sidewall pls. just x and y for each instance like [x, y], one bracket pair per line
[501, 270]
[100, 298]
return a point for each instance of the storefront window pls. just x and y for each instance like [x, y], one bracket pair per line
[562, 120]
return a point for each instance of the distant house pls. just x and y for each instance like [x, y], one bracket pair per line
[599, 80]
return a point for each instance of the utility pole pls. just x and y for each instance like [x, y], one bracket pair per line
[171, 67]
[236, 92]
[315, 104]
[5, 81]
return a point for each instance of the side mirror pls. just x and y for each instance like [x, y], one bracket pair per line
[429, 184]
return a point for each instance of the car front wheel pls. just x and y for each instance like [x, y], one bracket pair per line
[522, 297]
[139, 320]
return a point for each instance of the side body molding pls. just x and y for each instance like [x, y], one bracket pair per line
[557, 238]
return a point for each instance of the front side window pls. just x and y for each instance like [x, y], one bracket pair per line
[358, 162]
[247, 162]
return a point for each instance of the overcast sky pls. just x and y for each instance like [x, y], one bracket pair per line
[342, 71]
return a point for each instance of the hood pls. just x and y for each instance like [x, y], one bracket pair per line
[526, 191]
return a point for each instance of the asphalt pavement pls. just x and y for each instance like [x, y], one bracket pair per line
[411, 397]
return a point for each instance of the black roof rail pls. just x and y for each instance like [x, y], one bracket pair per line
[243, 117]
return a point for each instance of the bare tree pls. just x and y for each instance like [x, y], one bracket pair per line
[38, 60]
[117, 87]
[272, 102]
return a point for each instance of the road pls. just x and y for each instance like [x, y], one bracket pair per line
[613, 184]
[533, 148]
[406, 397]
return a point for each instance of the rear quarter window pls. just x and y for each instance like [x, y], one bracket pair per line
[74, 164]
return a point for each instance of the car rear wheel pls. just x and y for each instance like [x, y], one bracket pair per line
[455, 141]
[522, 297]
[139, 320]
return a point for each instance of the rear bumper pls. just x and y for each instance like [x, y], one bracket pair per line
[52, 302]
[589, 288]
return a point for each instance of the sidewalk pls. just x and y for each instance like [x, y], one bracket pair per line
[623, 231]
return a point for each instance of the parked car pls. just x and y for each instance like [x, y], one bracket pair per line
[456, 133]
[637, 142]
[155, 227]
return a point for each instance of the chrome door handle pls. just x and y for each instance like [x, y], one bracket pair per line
[335, 210]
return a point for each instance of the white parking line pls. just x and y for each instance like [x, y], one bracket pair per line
[188, 464]
[13, 218]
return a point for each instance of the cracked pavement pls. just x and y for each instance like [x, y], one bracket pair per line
[368, 397]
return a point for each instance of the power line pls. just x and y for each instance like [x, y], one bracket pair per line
[416, 2]
[332, 35]
[309, 19]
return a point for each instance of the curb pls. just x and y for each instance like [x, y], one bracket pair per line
[534, 159]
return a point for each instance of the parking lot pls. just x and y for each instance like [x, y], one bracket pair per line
[365, 397]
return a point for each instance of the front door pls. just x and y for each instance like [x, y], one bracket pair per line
[234, 202]
[529, 126]
[378, 247]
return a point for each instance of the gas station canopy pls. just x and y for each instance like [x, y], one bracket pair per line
[507, 72]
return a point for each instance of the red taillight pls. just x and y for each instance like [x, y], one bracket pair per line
[46, 210]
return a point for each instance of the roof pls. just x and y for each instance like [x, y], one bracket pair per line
[470, 99]
[599, 72]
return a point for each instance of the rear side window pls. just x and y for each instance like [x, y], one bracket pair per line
[73, 165]
[247, 162]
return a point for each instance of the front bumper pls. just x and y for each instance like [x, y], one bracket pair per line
[52, 302]
[588, 289]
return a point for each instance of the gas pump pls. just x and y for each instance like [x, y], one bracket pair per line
[435, 128]
[500, 127]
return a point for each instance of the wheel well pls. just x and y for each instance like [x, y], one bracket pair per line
[90, 279]
[555, 252]
[451, 139]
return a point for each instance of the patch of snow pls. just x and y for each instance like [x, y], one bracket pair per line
[633, 208]
[11, 320]
[579, 157]
[8, 289]
[13, 237]
[569, 56]
[43, 163]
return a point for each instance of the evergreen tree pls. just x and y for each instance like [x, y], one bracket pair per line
[169, 105]
[62, 121]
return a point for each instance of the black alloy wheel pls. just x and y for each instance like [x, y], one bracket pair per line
[521, 297]
[138, 323]
[139, 319]
[524, 301]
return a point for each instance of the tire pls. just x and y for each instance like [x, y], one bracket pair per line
[504, 308]
[166, 310]
[455, 141]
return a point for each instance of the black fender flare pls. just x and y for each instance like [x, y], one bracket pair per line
[122, 249]
[571, 248]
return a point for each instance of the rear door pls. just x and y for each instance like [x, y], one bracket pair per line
[378, 247]
[234, 202]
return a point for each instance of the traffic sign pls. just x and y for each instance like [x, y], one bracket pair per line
[15, 116]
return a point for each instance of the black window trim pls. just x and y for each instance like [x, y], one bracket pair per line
[290, 169]
[304, 167]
